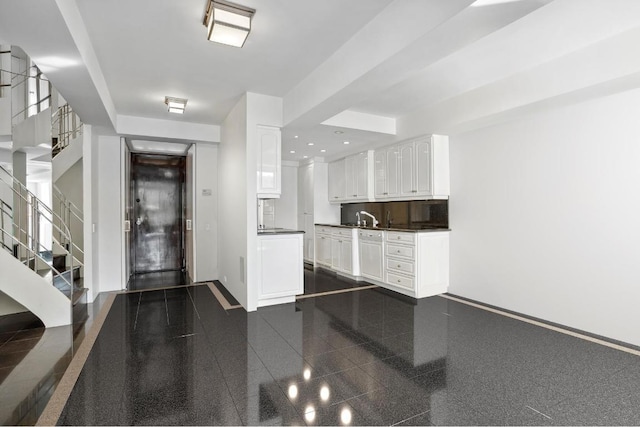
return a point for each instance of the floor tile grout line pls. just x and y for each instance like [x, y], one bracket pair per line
[60, 396]
[163, 288]
[194, 305]
[166, 306]
[546, 326]
[412, 417]
[337, 291]
[135, 322]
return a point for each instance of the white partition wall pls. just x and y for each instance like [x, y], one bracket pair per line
[544, 216]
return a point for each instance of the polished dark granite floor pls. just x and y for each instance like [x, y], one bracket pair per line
[325, 281]
[157, 279]
[33, 360]
[175, 357]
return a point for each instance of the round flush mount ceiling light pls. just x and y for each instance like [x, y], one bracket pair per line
[295, 136]
[338, 132]
[310, 144]
[292, 151]
[323, 151]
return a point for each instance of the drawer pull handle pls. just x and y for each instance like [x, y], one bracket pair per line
[398, 249]
[398, 265]
[399, 237]
[399, 280]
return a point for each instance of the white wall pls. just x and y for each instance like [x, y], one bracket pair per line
[206, 212]
[109, 226]
[287, 204]
[232, 211]
[544, 216]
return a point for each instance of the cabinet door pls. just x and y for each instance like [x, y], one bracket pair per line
[337, 181]
[380, 173]
[308, 237]
[323, 250]
[351, 183]
[346, 256]
[407, 172]
[361, 176]
[335, 254]
[307, 189]
[392, 164]
[269, 161]
[423, 167]
[371, 260]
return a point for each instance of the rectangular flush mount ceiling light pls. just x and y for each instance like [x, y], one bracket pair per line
[227, 23]
[175, 105]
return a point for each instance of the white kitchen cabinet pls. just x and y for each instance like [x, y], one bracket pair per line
[323, 246]
[417, 264]
[407, 169]
[380, 174]
[313, 204]
[342, 254]
[280, 268]
[357, 177]
[414, 169]
[337, 181]
[269, 165]
[371, 244]
[423, 168]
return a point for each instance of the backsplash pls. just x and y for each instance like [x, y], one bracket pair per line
[415, 214]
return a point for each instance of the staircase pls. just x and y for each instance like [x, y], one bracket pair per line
[41, 272]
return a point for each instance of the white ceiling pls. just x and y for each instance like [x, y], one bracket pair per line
[441, 66]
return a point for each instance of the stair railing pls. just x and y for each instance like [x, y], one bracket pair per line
[69, 213]
[27, 213]
[65, 126]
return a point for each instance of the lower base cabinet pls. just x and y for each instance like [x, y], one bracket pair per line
[280, 268]
[414, 263]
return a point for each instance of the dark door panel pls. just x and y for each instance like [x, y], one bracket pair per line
[157, 220]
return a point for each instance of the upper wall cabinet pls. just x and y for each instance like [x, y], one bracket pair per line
[349, 178]
[269, 162]
[413, 169]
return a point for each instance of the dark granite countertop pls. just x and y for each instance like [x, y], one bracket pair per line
[411, 229]
[272, 231]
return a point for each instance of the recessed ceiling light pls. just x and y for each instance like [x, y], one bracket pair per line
[338, 132]
[296, 136]
[311, 143]
[305, 157]
[323, 151]
[346, 143]
[292, 151]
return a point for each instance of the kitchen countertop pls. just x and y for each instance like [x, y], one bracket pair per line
[272, 231]
[406, 229]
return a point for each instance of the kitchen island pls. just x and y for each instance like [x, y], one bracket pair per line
[411, 261]
[280, 266]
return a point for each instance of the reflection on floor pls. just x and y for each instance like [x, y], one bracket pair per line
[32, 362]
[157, 279]
[175, 357]
[325, 281]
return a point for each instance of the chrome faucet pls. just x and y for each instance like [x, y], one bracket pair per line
[375, 221]
[358, 217]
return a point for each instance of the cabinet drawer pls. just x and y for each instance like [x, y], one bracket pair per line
[394, 236]
[323, 229]
[400, 281]
[342, 232]
[374, 236]
[400, 265]
[401, 251]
